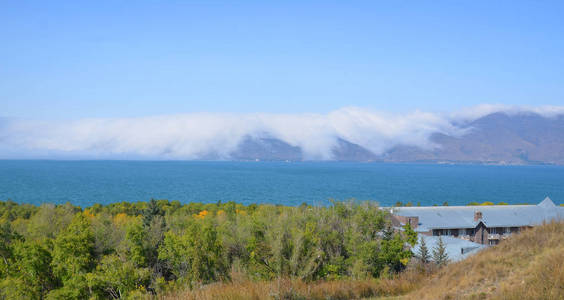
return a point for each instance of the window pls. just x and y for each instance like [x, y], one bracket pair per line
[493, 230]
[437, 232]
[466, 231]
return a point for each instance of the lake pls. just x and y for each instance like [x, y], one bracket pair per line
[84, 183]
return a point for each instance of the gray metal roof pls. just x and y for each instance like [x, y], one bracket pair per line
[442, 217]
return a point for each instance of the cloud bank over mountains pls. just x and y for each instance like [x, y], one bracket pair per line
[218, 135]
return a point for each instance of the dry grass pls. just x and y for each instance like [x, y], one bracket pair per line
[296, 289]
[530, 265]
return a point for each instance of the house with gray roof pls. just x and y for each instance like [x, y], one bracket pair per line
[486, 225]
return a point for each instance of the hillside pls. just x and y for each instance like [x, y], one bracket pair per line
[527, 266]
[495, 138]
[200, 251]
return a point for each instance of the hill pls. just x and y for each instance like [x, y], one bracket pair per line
[498, 138]
[529, 265]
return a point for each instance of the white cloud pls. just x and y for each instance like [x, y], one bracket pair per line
[479, 111]
[202, 135]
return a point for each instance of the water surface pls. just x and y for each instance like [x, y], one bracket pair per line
[87, 182]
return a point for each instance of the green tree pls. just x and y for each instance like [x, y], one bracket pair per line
[107, 235]
[74, 288]
[116, 250]
[7, 237]
[154, 227]
[394, 254]
[30, 275]
[309, 256]
[134, 244]
[73, 257]
[410, 234]
[366, 261]
[50, 220]
[151, 212]
[440, 256]
[423, 252]
[116, 278]
[260, 252]
[195, 256]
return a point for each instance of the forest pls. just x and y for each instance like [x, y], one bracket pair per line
[146, 249]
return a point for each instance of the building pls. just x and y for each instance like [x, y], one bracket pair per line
[486, 225]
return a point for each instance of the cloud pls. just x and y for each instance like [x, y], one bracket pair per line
[205, 135]
[473, 113]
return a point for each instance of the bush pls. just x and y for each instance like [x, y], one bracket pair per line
[125, 249]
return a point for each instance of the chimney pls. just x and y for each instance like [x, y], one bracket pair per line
[477, 215]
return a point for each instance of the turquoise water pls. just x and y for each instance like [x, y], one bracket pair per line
[87, 182]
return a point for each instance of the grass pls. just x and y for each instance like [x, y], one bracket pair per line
[296, 289]
[529, 265]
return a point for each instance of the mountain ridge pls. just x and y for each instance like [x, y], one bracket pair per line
[497, 138]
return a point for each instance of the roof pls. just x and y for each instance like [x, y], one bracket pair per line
[442, 217]
[453, 246]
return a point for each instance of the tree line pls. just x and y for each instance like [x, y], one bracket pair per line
[142, 249]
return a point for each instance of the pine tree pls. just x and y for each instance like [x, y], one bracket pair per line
[154, 227]
[150, 212]
[423, 252]
[440, 256]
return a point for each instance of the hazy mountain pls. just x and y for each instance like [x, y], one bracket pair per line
[497, 138]
[266, 149]
[347, 151]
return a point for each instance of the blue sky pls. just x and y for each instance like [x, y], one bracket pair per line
[112, 59]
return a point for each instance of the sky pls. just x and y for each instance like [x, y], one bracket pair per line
[182, 79]
[74, 60]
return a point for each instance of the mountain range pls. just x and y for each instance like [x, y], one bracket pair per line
[497, 138]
